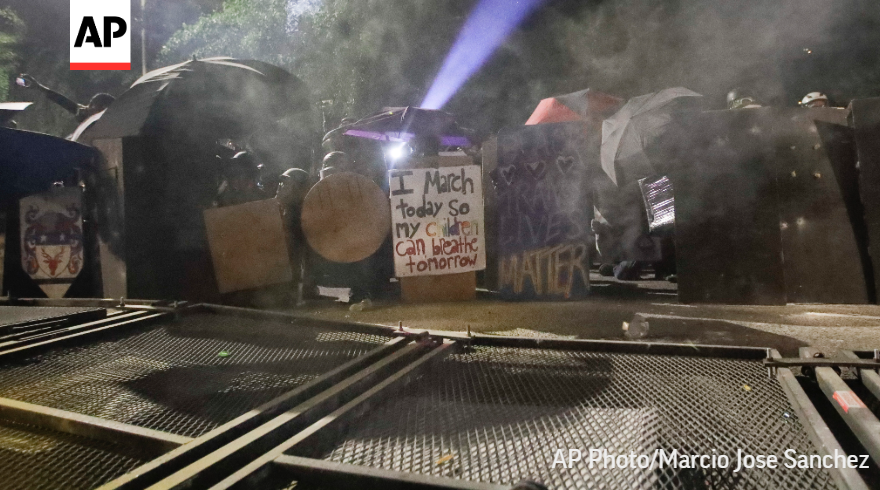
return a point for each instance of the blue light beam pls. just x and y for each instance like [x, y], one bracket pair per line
[487, 27]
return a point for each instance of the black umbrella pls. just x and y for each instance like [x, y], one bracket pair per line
[228, 96]
[404, 123]
[636, 126]
[30, 162]
[8, 110]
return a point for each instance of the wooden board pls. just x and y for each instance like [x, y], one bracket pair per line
[448, 287]
[820, 251]
[490, 208]
[150, 194]
[2, 247]
[248, 245]
[111, 227]
[544, 208]
[866, 123]
[436, 289]
[840, 145]
[727, 237]
[346, 217]
[761, 210]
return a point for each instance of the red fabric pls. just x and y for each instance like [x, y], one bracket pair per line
[601, 106]
[552, 111]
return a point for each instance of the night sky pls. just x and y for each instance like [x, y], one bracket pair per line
[778, 49]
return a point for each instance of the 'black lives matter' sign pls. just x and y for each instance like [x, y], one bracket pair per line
[544, 210]
[437, 220]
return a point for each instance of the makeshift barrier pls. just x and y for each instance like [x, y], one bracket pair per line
[217, 397]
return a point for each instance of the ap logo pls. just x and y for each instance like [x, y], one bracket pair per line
[100, 35]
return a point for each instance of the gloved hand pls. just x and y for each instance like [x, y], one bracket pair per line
[27, 81]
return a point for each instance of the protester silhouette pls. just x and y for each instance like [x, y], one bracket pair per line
[98, 102]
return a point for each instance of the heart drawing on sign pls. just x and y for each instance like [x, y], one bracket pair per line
[508, 174]
[565, 163]
[537, 169]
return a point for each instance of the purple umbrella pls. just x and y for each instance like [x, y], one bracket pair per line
[401, 124]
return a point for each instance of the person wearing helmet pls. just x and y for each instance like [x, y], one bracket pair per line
[241, 182]
[335, 162]
[293, 185]
[334, 140]
[98, 102]
[815, 99]
[740, 99]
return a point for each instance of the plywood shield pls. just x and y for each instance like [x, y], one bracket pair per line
[52, 248]
[866, 121]
[346, 217]
[248, 245]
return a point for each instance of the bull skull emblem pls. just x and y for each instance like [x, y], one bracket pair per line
[54, 259]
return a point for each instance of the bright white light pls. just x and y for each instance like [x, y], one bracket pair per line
[486, 28]
[397, 152]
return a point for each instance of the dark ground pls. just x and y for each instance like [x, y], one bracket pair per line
[786, 328]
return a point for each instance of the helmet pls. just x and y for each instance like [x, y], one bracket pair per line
[101, 101]
[293, 185]
[739, 98]
[243, 164]
[296, 175]
[244, 158]
[333, 141]
[335, 158]
[813, 97]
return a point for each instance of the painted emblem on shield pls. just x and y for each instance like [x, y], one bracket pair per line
[52, 239]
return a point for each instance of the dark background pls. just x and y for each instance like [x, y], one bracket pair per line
[366, 54]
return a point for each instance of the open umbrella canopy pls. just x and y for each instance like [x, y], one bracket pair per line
[30, 162]
[404, 123]
[230, 96]
[8, 110]
[638, 124]
[584, 105]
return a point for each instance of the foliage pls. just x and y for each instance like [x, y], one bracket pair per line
[41, 48]
[366, 54]
[11, 31]
[254, 29]
[361, 54]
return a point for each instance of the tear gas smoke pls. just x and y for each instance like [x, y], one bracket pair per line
[485, 29]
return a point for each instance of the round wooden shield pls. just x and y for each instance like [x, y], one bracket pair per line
[346, 217]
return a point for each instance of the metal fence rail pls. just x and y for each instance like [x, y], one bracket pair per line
[33, 458]
[12, 316]
[215, 397]
[499, 414]
[185, 377]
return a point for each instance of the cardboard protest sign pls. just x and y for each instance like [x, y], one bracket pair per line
[544, 210]
[437, 220]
